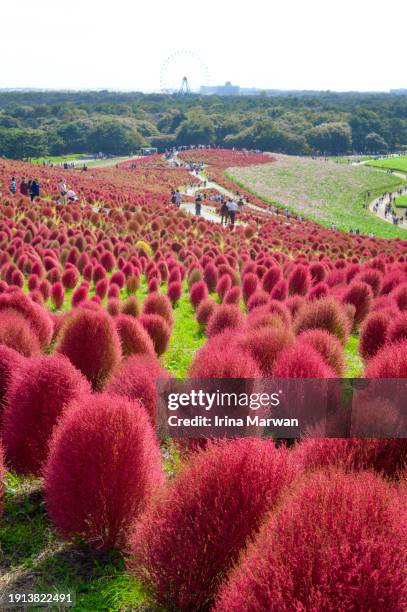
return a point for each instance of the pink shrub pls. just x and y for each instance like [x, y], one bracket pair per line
[131, 306]
[103, 469]
[118, 279]
[137, 380]
[36, 398]
[158, 330]
[174, 292]
[38, 317]
[223, 285]
[249, 285]
[80, 295]
[386, 456]
[159, 304]
[70, 278]
[325, 313]
[233, 296]
[113, 291]
[10, 364]
[101, 288]
[198, 293]
[271, 278]
[397, 329]
[328, 346]
[90, 340]
[204, 311]
[192, 536]
[373, 333]
[301, 361]
[389, 362]
[336, 542]
[257, 299]
[280, 291]
[210, 276]
[264, 345]
[57, 295]
[360, 295]
[224, 316]
[299, 281]
[220, 358]
[113, 307]
[16, 333]
[133, 337]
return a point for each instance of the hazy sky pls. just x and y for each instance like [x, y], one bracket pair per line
[122, 44]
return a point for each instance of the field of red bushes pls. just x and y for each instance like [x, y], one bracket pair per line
[90, 296]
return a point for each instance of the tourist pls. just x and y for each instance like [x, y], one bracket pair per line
[198, 205]
[71, 196]
[172, 197]
[24, 187]
[62, 188]
[177, 198]
[13, 186]
[34, 190]
[224, 213]
[232, 209]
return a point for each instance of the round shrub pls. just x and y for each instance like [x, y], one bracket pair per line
[36, 398]
[16, 333]
[264, 345]
[249, 285]
[174, 292]
[299, 281]
[204, 311]
[257, 299]
[113, 307]
[137, 379]
[233, 295]
[133, 337]
[223, 285]
[271, 278]
[70, 278]
[301, 361]
[192, 536]
[386, 456]
[280, 291]
[101, 288]
[389, 362]
[337, 543]
[360, 295]
[224, 316]
[198, 293]
[80, 295]
[57, 295]
[328, 346]
[90, 341]
[10, 364]
[373, 333]
[397, 329]
[103, 468]
[221, 358]
[131, 306]
[38, 317]
[159, 304]
[158, 330]
[325, 313]
[210, 276]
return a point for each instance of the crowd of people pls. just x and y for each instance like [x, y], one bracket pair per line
[30, 188]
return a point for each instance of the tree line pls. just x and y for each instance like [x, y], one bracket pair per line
[36, 124]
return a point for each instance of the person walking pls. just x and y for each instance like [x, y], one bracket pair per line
[13, 186]
[232, 208]
[62, 188]
[198, 205]
[24, 187]
[34, 190]
[224, 214]
[177, 198]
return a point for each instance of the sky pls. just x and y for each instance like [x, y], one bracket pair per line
[124, 44]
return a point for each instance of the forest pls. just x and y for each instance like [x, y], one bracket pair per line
[39, 123]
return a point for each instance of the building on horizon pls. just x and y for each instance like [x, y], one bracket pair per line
[220, 90]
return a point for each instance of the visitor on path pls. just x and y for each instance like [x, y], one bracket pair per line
[224, 213]
[24, 187]
[198, 205]
[177, 198]
[13, 186]
[172, 197]
[62, 188]
[35, 188]
[232, 209]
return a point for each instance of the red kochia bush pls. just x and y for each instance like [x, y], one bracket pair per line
[326, 314]
[159, 304]
[174, 292]
[133, 336]
[198, 293]
[38, 394]
[360, 295]
[184, 545]
[373, 333]
[249, 285]
[131, 306]
[10, 364]
[299, 281]
[337, 543]
[264, 345]
[70, 278]
[210, 276]
[103, 468]
[90, 340]
[16, 332]
[205, 309]
[57, 295]
[271, 278]
[386, 456]
[220, 357]
[137, 380]
[397, 329]
[301, 361]
[224, 316]
[158, 330]
[37, 316]
[389, 362]
[328, 346]
[2, 475]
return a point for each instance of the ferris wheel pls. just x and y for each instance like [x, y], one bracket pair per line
[183, 72]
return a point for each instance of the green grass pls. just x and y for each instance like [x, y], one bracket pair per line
[401, 201]
[394, 163]
[323, 191]
[33, 558]
[354, 363]
[57, 159]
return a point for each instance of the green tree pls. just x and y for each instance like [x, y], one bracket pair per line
[330, 138]
[197, 129]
